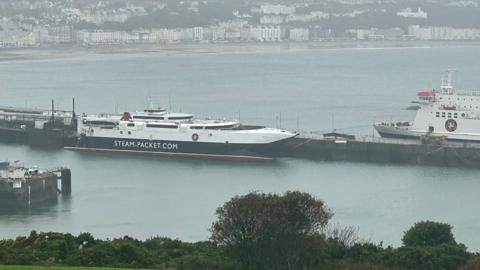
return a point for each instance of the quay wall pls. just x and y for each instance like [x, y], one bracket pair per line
[53, 136]
[414, 153]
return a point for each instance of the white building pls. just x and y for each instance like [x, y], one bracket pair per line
[408, 13]
[299, 34]
[197, 33]
[377, 34]
[443, 33]
[12, 35]
[312, 16]
[214, 33]
[233, 24]
[233, 34]
[166, 35]
[265, 33]
[101, 37]
[277, 9]
[271, 19]
[18, 40]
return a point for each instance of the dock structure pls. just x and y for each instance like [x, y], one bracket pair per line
[53, 128]
[38, 127]
[383, 150]
[25, 187]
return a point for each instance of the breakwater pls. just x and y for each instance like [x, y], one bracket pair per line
[390, 151]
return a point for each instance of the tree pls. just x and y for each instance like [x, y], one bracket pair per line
[269, 231]
[429, 233]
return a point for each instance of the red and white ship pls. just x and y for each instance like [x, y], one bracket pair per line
[448, 112]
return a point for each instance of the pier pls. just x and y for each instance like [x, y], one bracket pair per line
[37, 127]
[22, 187]
[387, 151]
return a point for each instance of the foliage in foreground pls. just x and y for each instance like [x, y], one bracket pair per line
[29, 267]
[58, 249]
[285, 232]
[255, 231]
[270, 231]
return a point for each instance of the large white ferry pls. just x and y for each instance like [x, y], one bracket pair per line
[446, 113]
[162, 133]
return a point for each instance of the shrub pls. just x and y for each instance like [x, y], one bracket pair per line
[429, 233]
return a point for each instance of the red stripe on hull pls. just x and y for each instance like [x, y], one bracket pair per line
[175, 155]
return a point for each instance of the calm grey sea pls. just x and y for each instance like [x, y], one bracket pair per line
[311, 90]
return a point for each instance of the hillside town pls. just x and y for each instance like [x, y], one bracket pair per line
[29, 23]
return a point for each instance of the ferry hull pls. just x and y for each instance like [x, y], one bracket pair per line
[397, 133]
[179, 149]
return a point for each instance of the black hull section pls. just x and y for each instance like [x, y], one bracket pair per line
[180, 149]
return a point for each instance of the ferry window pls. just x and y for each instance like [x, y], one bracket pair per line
[121, 132]
[148, 117]
[131, 125]
[463, 115]
[438, 114]
[160, 126]
[196, 127]
[449, 115]
[455, 115]
[129, 133]
[100, 123]
[220, 127]
[179, 118]
[443, 114]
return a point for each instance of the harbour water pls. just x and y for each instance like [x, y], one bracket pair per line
[311, 90]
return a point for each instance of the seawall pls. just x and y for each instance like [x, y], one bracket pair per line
[410, 152]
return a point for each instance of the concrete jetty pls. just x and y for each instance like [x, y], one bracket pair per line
[25, 187]
[383, 150]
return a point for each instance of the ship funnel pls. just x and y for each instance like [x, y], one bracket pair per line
[126, 117]
[447, 82]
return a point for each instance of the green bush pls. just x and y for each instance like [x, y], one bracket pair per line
[429, 233]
